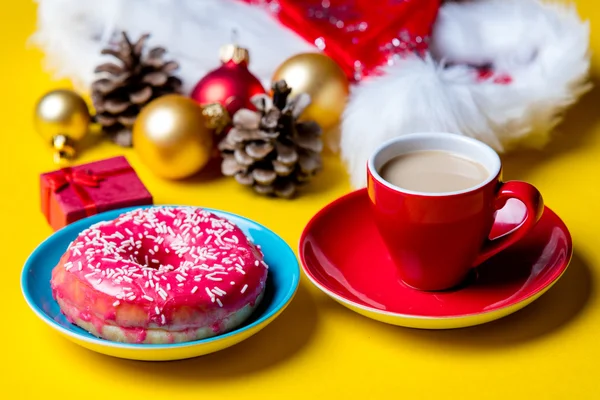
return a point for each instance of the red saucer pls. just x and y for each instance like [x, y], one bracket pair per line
[342, 253]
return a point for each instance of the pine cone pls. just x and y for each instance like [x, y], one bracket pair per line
[124, 88]
[269, 149]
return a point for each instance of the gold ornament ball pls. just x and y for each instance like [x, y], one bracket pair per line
[171, 138]
[325, 82]
[62, 118]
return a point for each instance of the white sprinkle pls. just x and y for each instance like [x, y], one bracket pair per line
[148, 297]
[194, 289]
[180, 278]
[257, 263]
[219, 302]
[180, 285]
[90, 274]
[79, 265]
[155, 261]
[232, 283]
[208, 239]
[68, 265]
[116, 303]
[162, 294]
[99, 281]
[157, 310]
[168, 286]
[128, 231]
[244, 288]
[163, 320]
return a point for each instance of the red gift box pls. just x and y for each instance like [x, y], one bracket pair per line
[73, 193]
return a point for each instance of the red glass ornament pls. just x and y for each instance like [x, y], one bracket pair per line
[231, 85]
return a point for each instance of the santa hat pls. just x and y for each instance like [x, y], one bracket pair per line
[501, 71]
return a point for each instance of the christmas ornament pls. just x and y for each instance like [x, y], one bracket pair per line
[123, 89]
[62, 119]
[217, 117]
[269, 149]
[232, 84]
[323, 80]
[171, 137]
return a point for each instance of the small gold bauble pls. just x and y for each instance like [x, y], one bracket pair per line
[171, 138]
[62, 112]
[217, 117]
[325, 82]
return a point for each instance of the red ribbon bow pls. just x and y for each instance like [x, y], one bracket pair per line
[69, 176]
[78, 180]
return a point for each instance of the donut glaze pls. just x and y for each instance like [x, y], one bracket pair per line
[160, 274]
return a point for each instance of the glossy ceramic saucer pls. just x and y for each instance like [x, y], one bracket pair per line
[282, 283]
[342, 253]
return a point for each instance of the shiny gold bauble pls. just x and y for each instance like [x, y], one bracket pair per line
[62, 118]
[325, 82]
[171, 137]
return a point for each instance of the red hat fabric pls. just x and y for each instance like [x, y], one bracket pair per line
[360, 35]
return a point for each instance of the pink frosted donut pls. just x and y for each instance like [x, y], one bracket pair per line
[160, 275]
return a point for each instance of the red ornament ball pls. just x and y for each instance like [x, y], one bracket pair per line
[231, 85]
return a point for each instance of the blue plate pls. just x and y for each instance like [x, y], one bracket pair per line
[282, 283]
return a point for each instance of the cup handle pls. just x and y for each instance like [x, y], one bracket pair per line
[534, 203]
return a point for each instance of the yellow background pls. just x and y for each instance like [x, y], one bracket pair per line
[316, 348]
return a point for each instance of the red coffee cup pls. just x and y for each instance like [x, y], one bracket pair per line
[435, 239]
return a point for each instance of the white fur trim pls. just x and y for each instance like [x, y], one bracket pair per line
[543, 47]
[73, 32]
